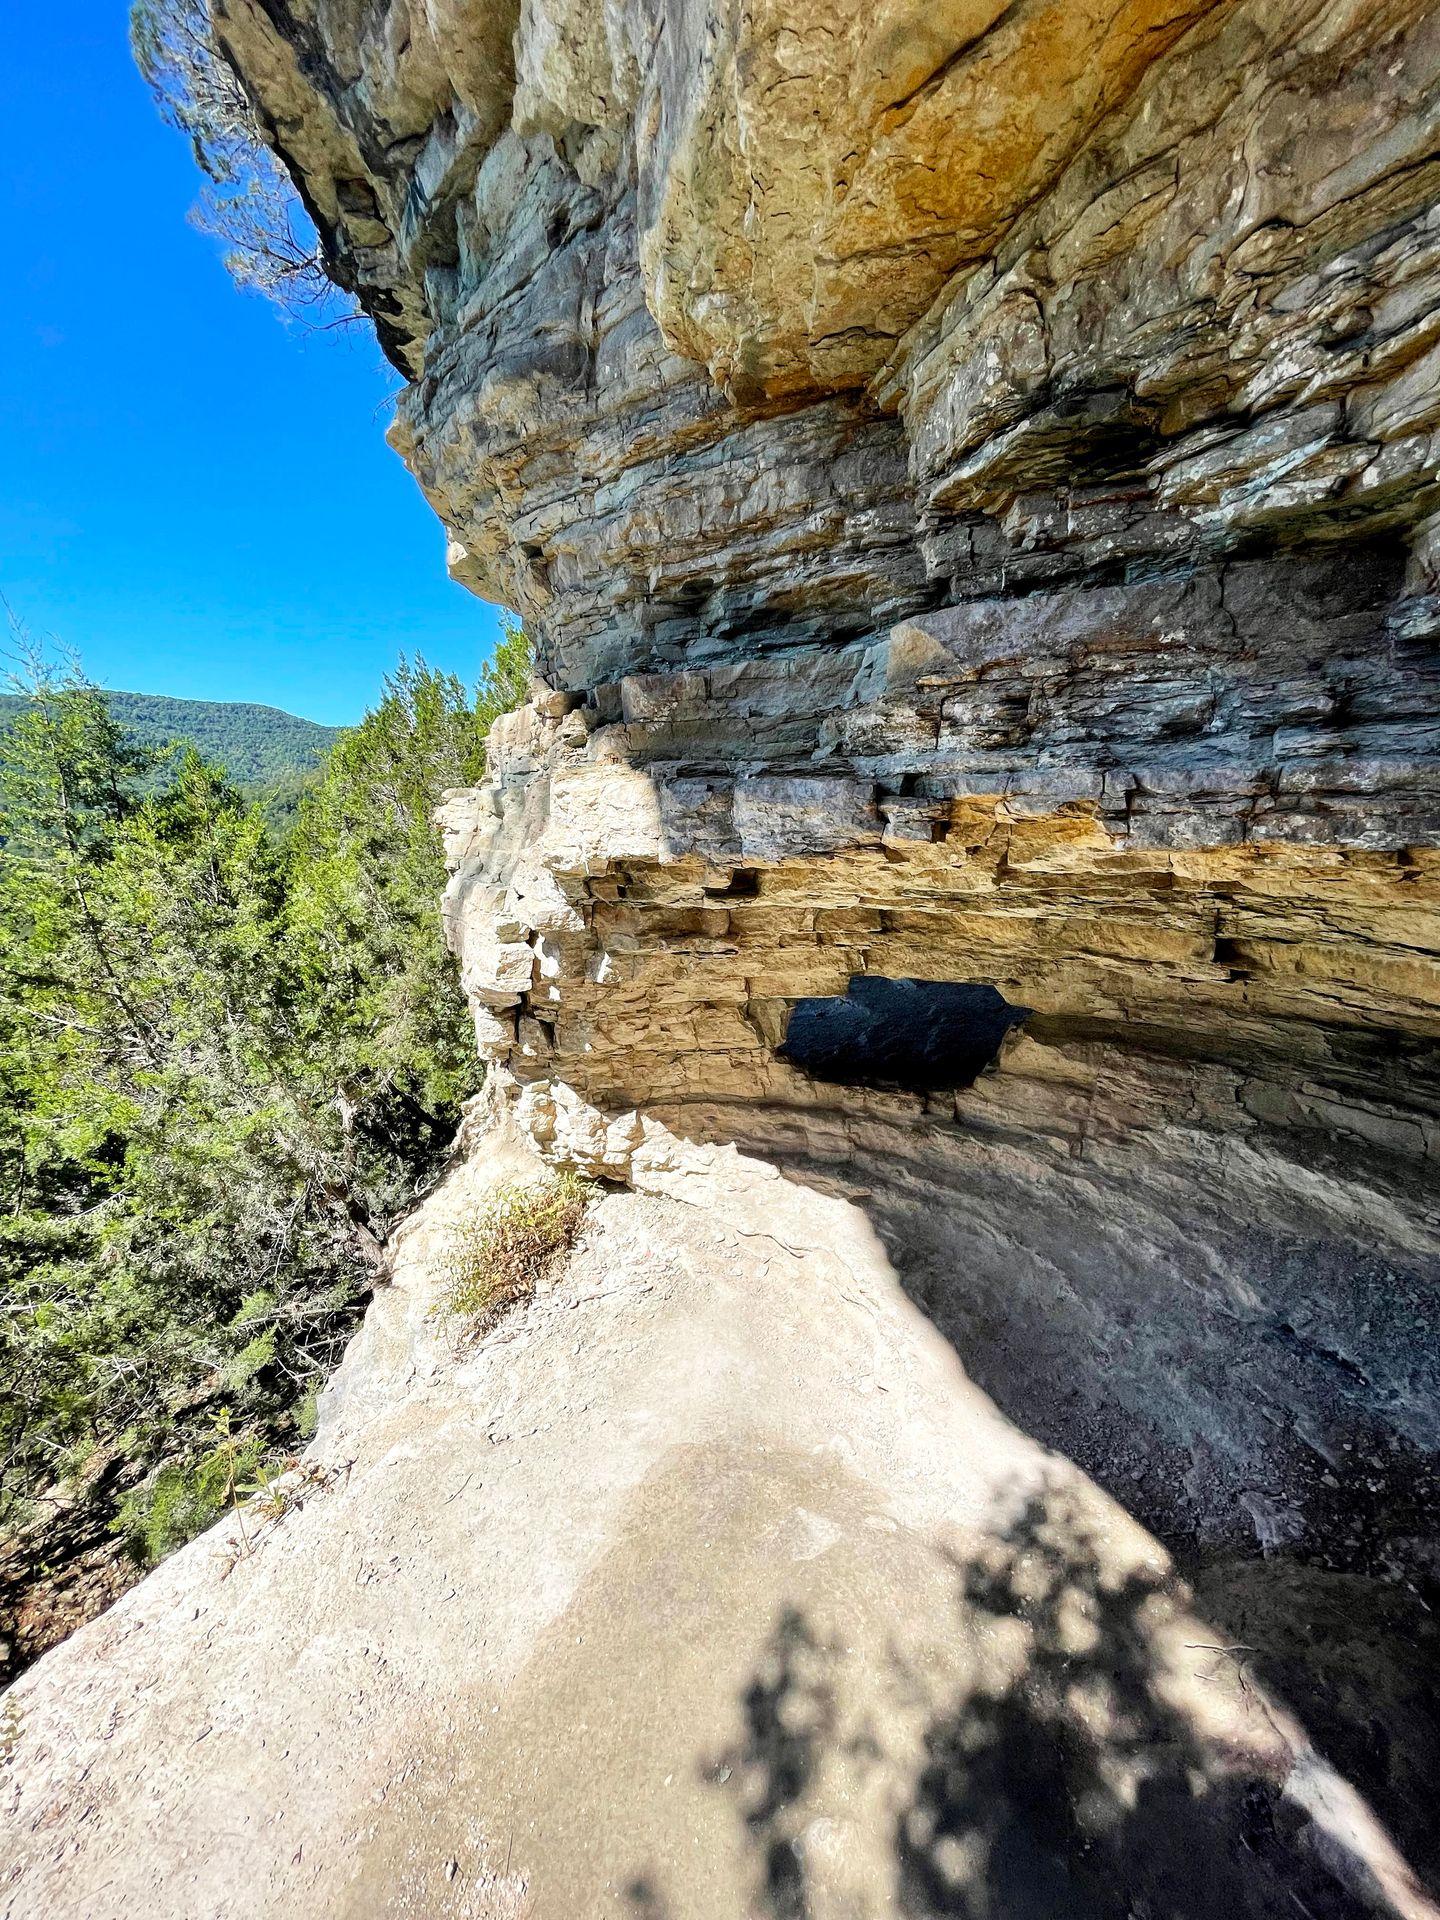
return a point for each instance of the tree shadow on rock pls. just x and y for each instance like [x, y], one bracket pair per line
[790, 1721]
[1247, 1389]
[1059, 1777]
[644, 1899]
[1071, 1784]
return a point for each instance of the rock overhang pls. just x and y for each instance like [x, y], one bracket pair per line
[1028, 578]
[806, 179]
[973, 478]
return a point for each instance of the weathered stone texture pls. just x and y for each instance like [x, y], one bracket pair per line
[713, 1557]
[973, 476]
[1212, 326]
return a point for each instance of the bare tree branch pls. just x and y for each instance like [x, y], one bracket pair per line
[249, 204]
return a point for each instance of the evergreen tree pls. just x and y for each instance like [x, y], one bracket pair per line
[228, 1066]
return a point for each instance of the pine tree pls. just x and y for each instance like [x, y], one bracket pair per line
[229, 1064]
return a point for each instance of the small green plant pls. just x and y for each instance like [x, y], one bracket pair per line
[186, 1496]
[307, 1413]
[507, 1249]
[171, 1508]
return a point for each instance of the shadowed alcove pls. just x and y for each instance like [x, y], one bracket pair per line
[919, 1035]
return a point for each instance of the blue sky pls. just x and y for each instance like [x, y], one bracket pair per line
[196, 496]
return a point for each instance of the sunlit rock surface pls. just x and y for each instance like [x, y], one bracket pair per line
[712, 1584]
[973, 475]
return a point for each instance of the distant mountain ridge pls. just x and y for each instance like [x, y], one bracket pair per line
[259, 746]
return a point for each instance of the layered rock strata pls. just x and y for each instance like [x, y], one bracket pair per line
[1074, 621]
[973, 477]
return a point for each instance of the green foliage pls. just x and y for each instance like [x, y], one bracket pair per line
[367, 887]
[272, 757]
[365, 902]
[501, 1255]
[307, 1412]
[183, 1498]
[229, 1062]
[505, 678]
[253, 744]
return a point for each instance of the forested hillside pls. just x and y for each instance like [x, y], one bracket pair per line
[265, 752]
[230, 1059]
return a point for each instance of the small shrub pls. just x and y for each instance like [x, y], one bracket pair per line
[501, 1255]
[184, 1498]
[169, 1510]
[252, 1359]
[307, 1413]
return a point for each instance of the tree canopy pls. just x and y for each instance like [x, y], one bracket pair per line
[230, 1061]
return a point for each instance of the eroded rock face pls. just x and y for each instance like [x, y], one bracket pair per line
[974, 478]
[1028, 579]
[973, 475]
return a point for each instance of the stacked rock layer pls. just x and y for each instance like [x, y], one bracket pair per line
[1031, 577]
[972, 474]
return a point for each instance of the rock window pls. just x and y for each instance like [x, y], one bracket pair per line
[920, 1035]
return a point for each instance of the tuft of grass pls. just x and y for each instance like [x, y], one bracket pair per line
[502, 1254]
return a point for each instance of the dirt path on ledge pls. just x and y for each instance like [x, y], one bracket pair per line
[707, 1587]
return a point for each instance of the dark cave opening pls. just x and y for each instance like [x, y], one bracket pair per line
[922, 1036]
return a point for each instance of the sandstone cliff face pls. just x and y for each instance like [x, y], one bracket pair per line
[1063, 589]
[973, 474]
